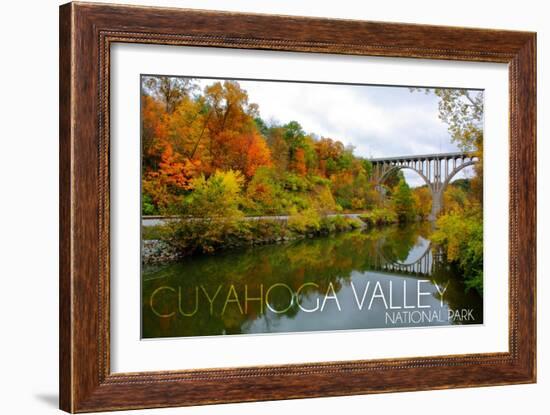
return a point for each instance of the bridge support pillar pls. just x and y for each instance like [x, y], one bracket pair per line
[437, 203]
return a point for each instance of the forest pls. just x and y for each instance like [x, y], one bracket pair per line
[208, 155]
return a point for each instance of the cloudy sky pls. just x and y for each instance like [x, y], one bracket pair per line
[379, 121]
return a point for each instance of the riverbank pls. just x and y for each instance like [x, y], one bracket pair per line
[152, 220]
[177, 239]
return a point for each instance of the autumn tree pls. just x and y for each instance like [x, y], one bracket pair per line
[455, 198]
[254, 153]
[422, 201]
[280, 150]
[301, 153]
[462, 111]
[153, 131]
[328, 152]
[263, 190]
[234, 141]
[216, 196]
[170, 90]
[299, 162]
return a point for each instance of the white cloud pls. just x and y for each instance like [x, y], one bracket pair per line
[378, 121]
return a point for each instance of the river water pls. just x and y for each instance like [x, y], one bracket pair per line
[386, 277]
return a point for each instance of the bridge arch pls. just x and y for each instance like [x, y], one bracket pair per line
[421, 265]
[425, 252]
[397, 168]
[455, 171]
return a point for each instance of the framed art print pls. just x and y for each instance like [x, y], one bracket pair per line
[262, 207]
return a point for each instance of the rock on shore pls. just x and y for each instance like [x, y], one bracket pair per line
[155, 251]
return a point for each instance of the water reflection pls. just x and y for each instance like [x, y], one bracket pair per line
[386, 277]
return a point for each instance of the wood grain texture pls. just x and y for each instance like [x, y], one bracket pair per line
[65, 247]
[86, 33]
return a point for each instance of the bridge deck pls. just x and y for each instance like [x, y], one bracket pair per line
[456, 154]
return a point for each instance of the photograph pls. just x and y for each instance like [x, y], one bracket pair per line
[277, 206]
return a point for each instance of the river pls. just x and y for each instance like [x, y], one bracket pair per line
[386, 277]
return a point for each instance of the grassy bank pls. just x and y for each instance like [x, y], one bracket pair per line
[378, 217]
[212, 235]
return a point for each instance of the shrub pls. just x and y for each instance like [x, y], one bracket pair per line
[154, 232]
[338, 223]
[147, 206]
[263, 193]
[304, 222]
[206, 236]
[296, 183]
[377, 217]
[203, 235]
[323, 200]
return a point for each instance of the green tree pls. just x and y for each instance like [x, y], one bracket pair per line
[403, 202]
[294, 134]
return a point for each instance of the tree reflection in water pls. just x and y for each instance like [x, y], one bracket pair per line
[225, 289]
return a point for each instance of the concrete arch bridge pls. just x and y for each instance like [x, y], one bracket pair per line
[436, 170]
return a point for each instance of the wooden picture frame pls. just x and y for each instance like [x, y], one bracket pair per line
[86, 33]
